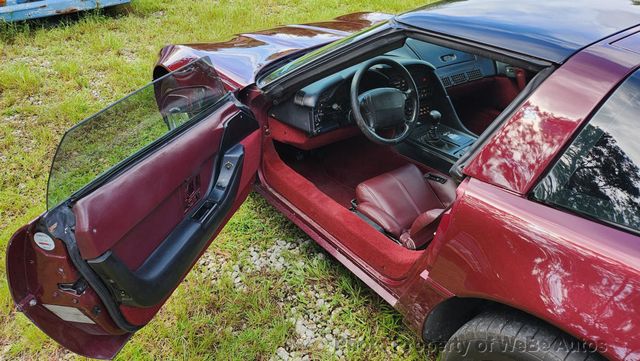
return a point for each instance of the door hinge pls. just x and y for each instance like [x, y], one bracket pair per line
[29, 300]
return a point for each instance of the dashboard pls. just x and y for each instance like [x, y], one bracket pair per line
[325, 105]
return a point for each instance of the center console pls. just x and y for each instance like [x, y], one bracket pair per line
[442, 141]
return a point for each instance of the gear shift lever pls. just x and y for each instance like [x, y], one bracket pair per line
[432, 133]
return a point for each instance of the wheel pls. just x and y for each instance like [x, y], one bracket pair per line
[508, 335]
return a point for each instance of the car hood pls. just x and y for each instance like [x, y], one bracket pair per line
[239, 59]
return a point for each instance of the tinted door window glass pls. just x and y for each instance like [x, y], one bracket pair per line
[599, 174]
[146, 117]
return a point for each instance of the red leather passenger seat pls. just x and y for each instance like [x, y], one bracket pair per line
[406, 203]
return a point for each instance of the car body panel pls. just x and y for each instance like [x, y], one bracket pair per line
[630, 43]
[552, 264]
[239, 59]
[551, 116]
[541, 29]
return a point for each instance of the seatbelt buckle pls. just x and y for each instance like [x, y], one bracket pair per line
[435, 178]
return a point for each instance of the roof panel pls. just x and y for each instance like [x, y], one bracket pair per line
[548, 30]
[630, 43]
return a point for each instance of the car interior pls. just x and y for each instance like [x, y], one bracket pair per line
[366, 151]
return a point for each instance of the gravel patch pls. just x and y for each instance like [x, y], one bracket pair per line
[313, 310]
[33, 62]
[213, 264]
[128, 55]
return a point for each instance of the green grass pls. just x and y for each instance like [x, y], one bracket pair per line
[55, 73]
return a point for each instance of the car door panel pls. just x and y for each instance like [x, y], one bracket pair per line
[152, 188]
[160, 233]
[162, 270]
[118, 251]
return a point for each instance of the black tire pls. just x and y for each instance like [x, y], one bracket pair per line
[508, 335]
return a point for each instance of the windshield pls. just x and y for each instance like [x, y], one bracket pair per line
[98, 144]
[310, 57]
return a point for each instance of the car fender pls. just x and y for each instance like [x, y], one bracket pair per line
[578, 275]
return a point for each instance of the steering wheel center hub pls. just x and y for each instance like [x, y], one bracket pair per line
[384, 108]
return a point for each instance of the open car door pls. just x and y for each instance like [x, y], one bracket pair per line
[136, 194]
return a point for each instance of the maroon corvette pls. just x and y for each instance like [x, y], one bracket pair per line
[476, 163]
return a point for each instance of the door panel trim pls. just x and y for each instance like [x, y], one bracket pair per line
[163, 270]
[134, 194]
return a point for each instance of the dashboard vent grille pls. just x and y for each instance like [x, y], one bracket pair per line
[446, 81]
[459, 78]
[474, 74]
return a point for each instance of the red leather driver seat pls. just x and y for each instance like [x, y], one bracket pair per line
[406, 203]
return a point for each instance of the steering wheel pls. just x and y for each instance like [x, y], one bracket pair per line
[384, 109]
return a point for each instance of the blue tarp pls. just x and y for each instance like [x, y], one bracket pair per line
[15, 10]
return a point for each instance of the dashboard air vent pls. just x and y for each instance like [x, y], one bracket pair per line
[474, 74]
[446, 81]
[459, 78]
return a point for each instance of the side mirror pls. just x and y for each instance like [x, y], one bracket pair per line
[181, 104]
[188, 92]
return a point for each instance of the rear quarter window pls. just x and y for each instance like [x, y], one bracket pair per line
[598, 176]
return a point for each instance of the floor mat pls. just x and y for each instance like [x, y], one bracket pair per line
[337, 169]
